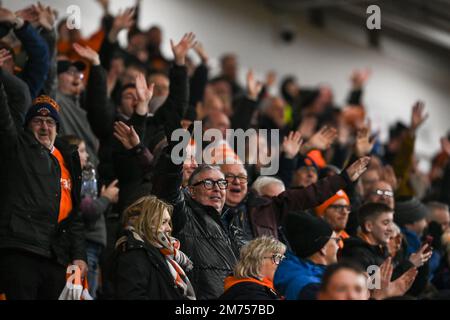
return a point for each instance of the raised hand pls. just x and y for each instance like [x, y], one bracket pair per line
[144, 94]
[308, 126]
[359, 78]
[124, 20]
[291, 144]
[321, 140]
[7, 15]
[181, 49]
[364, 141]
[4, 55]
[420, 257]
[46, 16]
[417, 116]
[87, 53]
[201, 52]
[254, 87]
[126, 135]
[111, 192]
[357, 168]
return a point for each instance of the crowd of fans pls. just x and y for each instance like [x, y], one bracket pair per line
[88, 176]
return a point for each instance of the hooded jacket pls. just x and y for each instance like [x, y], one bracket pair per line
[295, 277]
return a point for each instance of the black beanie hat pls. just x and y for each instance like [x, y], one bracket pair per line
[409, 211]
[306, 234]
[43, 106]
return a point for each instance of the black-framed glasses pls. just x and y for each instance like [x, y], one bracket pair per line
[385, 193]
[276, 258]
[341, 207]
[75, 73]
[231, 177]
[50, 122]
[208, 184]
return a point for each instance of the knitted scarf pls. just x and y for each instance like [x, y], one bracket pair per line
[176, 260]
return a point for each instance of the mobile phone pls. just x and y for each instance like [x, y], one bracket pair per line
[428, 240]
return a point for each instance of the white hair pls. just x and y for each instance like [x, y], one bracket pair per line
[264, 181]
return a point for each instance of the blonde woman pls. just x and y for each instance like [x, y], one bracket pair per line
[148, 262]
[253, 274]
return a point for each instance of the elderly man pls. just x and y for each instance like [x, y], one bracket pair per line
[40, 230]
[250, 216]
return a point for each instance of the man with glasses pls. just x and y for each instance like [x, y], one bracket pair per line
[196, 221]
[250, 216]
[81, 101]
[381, 192]
[40, 230]
[335, 212]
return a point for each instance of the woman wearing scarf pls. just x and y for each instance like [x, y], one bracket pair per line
[253, 274]
[148, 262]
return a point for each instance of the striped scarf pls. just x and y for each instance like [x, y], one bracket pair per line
[176, 260]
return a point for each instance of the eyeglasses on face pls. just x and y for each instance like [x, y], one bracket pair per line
[208, 184]
[341, 207]
[242, 179]
[76, 73]
[385, 193]
[40, 122]
[276, 258]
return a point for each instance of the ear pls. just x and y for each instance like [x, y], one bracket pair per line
[368, 225]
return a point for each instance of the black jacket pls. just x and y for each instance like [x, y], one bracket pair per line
[362, 253]
[199, 228]
[30, 193]
[141, 272]
[249, 291]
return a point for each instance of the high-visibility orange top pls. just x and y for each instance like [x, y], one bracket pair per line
[65, 204]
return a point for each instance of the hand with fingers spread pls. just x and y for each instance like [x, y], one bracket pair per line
[394, 288]
[421, 257]
[126, 135]
[307, 127]
[321, 140]
[88, 53]
[417, 116]
[124, 20]
[4, 56]
[364, 141]
[359, 78]
[254, 87]
[201, 52]
[144, 94]
[111, 192]
[357, 168]
[181, 49]
[45, 16]
[291, 144]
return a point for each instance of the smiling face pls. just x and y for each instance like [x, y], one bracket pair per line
[44, 130]
[337, 215]
[165, 226]
[128, 101]
[237, 183]
[305, 176]
[380, 229]
[214, 197]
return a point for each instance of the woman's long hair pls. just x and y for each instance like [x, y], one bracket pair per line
[145, 215]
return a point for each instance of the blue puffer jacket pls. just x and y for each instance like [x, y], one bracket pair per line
[294, 275]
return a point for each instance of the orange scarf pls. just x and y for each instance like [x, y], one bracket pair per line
[65, 203]
[231, 281]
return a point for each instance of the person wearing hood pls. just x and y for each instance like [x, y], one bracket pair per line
[314, 247]
[253, 274]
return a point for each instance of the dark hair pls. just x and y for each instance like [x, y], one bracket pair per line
[200, 169]
[371, 210]
[334, 268]
[72, 139]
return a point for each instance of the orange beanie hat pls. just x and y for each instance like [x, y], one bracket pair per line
[339, 195]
